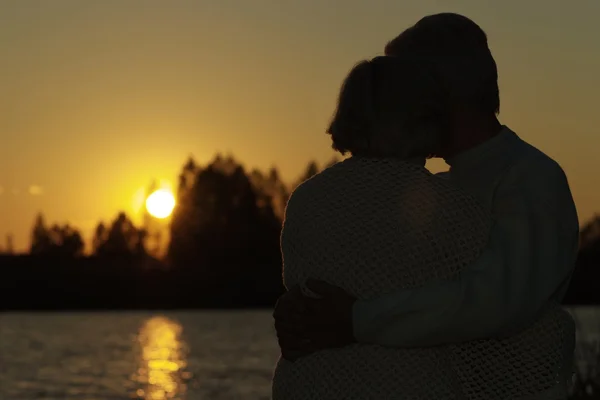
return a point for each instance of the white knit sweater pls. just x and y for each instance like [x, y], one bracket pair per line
[373, 226]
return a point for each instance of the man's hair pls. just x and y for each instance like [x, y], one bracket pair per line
[458, 49]
[389, 107]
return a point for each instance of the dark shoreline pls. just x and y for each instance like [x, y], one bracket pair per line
[115, 284]
[176, 310]
[127, 283]
[134, 310]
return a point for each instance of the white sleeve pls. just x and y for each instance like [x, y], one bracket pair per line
[528, 261]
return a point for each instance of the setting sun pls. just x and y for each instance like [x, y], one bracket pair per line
[160, 203]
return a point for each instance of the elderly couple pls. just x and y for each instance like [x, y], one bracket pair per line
[407, 285]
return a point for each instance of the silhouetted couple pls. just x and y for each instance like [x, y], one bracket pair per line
[407, 285]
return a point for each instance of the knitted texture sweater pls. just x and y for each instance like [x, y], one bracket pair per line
[373, 226]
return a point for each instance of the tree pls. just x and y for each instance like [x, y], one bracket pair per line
[100, 236]
[270, 190]
[40, 236]
[225, 231]
[72, 242]
[122, 238]
[590, 233]
[311, 170]
[9, 244]
[187, 176]
[57, 240]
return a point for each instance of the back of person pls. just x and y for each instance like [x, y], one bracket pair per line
[526, 366]
[372, 226]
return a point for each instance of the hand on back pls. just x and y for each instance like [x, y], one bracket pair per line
[307, 324]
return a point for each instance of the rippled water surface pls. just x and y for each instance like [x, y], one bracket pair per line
[198, 355]
[188, 355]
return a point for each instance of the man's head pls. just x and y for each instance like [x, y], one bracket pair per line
[457, 49]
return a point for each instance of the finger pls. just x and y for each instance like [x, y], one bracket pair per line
[290, 315]
[295, 355]
[291, 342]
[295, 321]
[284, 328]
[317, 330]
[288, 345]
[291, 355]
[287, 302]
[319, 309]
[293, 311]
[311, 304]
[316, 317]
[322, 288]
[292, 351]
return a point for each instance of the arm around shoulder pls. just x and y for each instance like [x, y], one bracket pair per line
[528, 262]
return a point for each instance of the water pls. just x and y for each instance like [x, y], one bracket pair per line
[89, 356]
[187, 355]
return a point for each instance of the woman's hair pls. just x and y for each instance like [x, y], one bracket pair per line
[389, 107]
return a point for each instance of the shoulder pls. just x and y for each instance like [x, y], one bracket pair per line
[296, 199]
[537, 181]
[311, 190]
[312, 186]
[535, 170]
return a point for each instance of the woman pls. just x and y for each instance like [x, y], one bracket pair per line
[380, 221]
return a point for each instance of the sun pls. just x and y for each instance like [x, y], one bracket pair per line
[160, 203]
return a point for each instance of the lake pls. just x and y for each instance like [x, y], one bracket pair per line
[216, 355]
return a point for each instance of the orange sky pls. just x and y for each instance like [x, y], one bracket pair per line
[99, 97]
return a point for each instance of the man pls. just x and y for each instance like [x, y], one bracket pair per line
[533, 244]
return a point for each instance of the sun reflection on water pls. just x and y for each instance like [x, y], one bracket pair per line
[161, 372]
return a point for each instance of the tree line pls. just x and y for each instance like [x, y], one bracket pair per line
[223, 245]
[214, 203]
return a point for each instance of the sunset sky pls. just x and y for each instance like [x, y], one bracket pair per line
[97, 97]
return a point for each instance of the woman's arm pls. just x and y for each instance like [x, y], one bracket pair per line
[528, 261]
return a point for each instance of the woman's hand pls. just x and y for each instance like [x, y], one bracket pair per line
[290, 325]
[306, 324]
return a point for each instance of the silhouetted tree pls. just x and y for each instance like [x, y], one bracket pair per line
[224, 249]
[72, 242]
[590, 233]
[100, 236]
[224, 230]
[187, 176]
[9, 244]
[56, 240]
[270, 190]
[40, 236]
[311, 170]
[66, 240]
[122, 238]
[583, 287]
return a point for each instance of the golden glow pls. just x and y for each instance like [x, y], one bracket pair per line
[84, 130]
[162, 360]
[160, 203]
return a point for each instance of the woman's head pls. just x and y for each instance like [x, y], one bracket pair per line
[389, 107]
